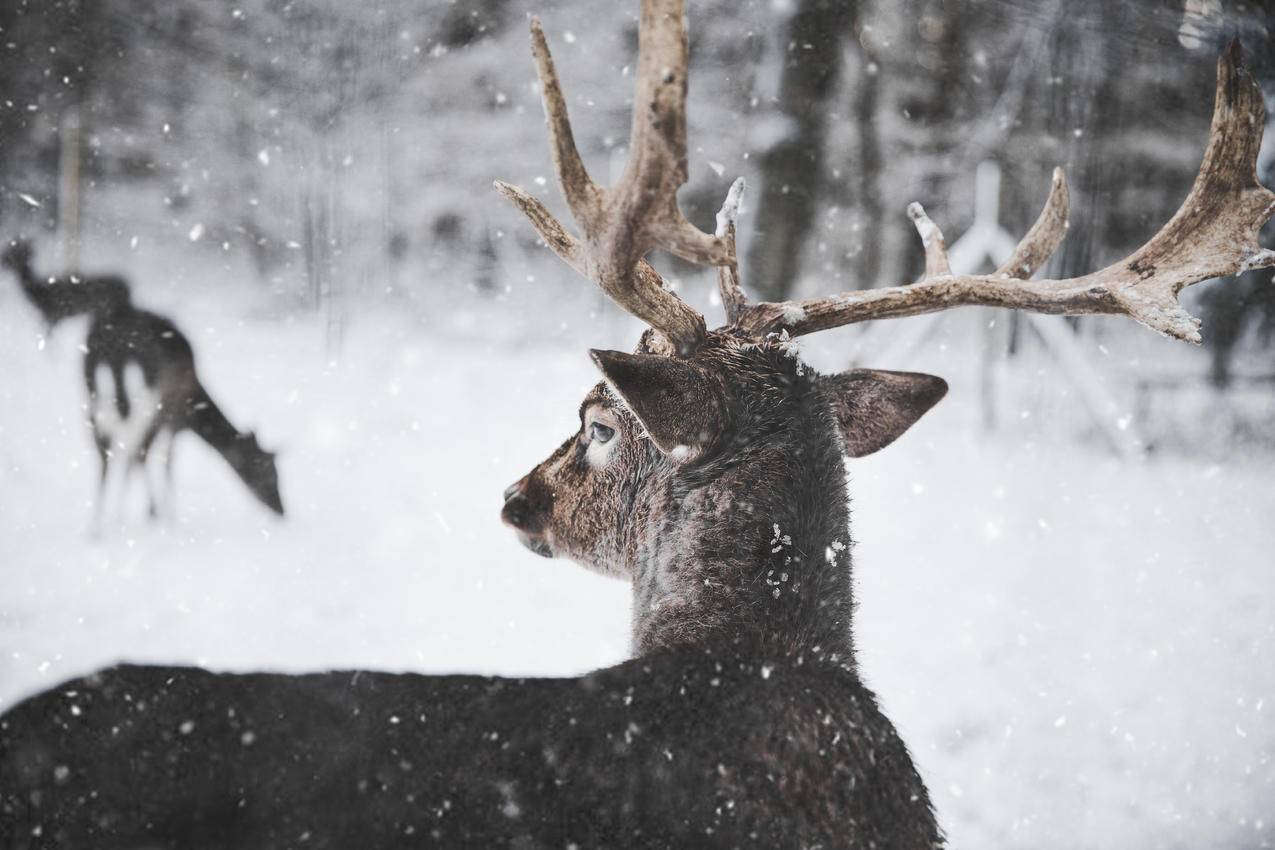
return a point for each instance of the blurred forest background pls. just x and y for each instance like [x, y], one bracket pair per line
[334, 154]
[1065, 570]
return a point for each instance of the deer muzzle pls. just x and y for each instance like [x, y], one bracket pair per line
[522, 515]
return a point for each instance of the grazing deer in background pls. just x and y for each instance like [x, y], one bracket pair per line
[143, 390]
[708, 469]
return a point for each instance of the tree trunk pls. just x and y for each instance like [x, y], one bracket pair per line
[792, 169]
[866, 173]
[70, 203]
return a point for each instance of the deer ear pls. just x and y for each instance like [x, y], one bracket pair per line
[678, 403]
[875, 407]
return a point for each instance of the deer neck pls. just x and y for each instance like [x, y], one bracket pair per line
[206, 419]
[27, 278]
[751, 552]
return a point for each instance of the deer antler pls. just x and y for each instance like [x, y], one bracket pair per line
[621, 224]
[733, 297]
[1213, 233]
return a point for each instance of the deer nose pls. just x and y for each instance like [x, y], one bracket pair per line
[517, 510]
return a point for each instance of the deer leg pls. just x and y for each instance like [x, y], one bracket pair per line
[112, 491]
[105, 421]
[126, 463]
[170, 489]
[104, 459]
[145, 461]
[136, 433]
[146, 457]
[159, 476]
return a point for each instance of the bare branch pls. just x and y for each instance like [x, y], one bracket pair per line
[1213, 234]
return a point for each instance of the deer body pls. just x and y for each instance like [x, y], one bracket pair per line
[136, 420]
[143, 390]
[681, 748]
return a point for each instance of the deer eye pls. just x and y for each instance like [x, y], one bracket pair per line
[600, 433]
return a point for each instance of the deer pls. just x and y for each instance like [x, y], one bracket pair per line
[143, 390]
[708, 470]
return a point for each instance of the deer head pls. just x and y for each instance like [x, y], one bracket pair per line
[708, 465]
[256, 468]
[655, 416]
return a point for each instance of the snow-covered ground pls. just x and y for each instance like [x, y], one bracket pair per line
[1078, 650]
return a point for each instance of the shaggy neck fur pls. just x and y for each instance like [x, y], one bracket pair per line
[750, 547]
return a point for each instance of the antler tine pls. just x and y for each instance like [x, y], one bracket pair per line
[1222, 214]
[550, 229]
[657, 163]
[733, 297]
[936, 264]
[646, 298]
[577, 187]
[1213, 234]
[622, 223]
[1044, 237]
